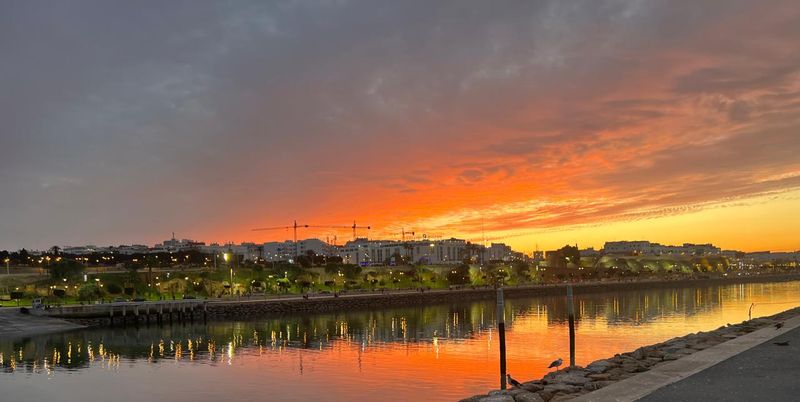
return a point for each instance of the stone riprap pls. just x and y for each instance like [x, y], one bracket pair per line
[575, 381]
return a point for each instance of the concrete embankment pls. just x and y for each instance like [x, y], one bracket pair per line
[257, 307]
[14, 324]
[326, 304]
[632, 375]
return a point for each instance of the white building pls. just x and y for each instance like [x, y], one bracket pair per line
[648, 248]
[590, 252]
[499, 252]
[132, 249]
[175, 245]
[287, 250]
[768, 256]
[81, 250]
[628, 247]
[389, 252]
[245, 251]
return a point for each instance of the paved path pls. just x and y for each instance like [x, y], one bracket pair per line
[13, 324]
[767, 372]
[700, 374]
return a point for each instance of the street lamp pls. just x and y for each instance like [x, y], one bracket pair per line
[7, 260]
[227, 257]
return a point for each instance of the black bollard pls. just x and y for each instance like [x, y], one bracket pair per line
[501, 330]
[571, 312]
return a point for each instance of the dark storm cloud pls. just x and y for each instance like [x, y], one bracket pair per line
[124, 121]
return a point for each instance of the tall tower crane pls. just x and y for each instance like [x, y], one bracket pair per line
[295, 226]
[354, 227]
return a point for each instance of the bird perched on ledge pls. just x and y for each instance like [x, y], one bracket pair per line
[556, 364]
[779, 325]
[513, 382]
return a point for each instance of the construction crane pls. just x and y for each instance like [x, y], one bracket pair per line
[403, 234]
[295, 226]
[354, 227]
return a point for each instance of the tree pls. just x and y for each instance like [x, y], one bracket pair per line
[521, 270]
[304, 261]
[23, 256]
[174, 286]
[133, 271]
[65, 269]
[89, 292]
[332, 268]
[571, 254]
[351, 271]
[283, 284]
[459, 275]
[289, 271]
[114, 288]
[495, 275]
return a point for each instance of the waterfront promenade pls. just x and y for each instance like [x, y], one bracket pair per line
[766, 372]
[748, 368]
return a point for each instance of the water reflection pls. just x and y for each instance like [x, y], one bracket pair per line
[403, 349]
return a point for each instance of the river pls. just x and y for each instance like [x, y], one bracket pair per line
[435, 353]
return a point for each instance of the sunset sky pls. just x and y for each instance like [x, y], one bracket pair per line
[533, 123]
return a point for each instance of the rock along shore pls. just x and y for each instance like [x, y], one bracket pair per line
[572, 382]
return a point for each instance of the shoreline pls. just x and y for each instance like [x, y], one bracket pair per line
[574, 382]
[257, 308]
[269, 308]
[13, 324]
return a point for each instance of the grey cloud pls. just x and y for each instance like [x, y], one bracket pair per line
[730, 79]
[210, 104]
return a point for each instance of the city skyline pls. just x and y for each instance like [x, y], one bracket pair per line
[533, 123]
[178, 244]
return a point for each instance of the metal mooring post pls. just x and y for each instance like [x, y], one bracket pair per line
[501, 330]
[571, 313]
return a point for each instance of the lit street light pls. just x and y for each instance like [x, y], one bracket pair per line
[227, 257]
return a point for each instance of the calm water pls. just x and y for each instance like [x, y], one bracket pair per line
[443, 352]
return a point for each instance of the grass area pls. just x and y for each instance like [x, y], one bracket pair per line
[215, 283]
[282, 279]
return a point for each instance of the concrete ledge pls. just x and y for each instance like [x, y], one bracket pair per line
[16, 325]
[641, 385]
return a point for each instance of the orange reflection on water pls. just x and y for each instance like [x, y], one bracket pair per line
[444, 352]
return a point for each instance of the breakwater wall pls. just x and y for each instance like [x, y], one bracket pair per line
[245, 309]
[254, 308]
